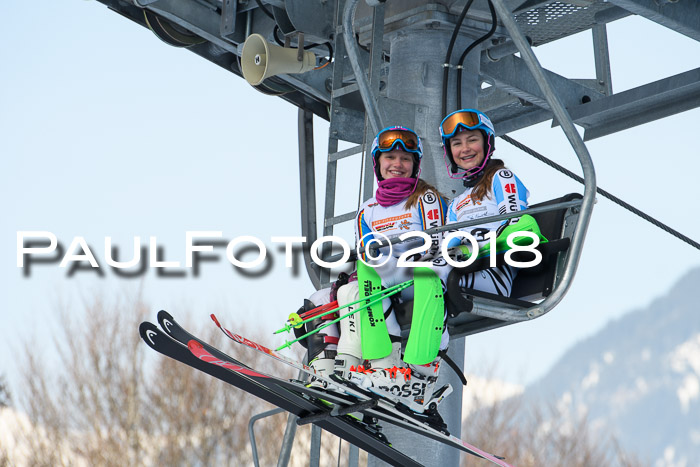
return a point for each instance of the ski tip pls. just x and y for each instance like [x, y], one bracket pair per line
[213, 317]
[148, 331]
[162, 314]
[145, 326]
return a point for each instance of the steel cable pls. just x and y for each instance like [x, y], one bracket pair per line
[602, 192]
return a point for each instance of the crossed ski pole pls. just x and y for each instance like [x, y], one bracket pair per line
[374, 298]
[323, 310]
[295, 319]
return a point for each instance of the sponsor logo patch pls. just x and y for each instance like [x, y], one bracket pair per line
[392, 222]
[512, 203]
[463, 203]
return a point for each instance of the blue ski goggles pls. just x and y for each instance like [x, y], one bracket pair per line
[390, 138]
[468, 119]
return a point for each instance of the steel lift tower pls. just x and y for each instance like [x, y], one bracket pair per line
[378, 63]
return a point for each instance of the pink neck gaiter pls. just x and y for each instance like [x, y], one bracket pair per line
[391, 191]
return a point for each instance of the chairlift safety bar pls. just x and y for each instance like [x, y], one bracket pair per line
[459, 225]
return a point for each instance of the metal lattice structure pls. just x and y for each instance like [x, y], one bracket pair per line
[216, 30]
[388, 60]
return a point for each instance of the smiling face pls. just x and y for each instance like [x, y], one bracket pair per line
[467, 148]
[396, 163]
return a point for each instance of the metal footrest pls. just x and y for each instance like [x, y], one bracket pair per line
[337, 412]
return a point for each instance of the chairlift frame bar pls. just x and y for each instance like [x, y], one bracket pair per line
[369, 98]
[459, 225]
[567, 125]
[251, 432]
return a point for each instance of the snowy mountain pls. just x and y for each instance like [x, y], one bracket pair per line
[639, 379]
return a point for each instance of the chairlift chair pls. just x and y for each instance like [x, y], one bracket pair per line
[472, 311]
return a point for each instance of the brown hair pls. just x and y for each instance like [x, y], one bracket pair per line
[483, 186]
[421, 188]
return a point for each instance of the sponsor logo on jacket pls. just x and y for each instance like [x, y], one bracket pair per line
[392, 222]
[466, 202]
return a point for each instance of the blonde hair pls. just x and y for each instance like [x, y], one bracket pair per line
[421, 188]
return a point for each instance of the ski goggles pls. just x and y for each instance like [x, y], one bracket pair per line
[387, 139]
[468, 119]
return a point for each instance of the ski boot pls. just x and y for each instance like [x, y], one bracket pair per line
[389, 377]
[349, 351]
[396, 384]
[322, 345]
[412, 386]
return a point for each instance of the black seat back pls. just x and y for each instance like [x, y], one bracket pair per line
[538, 282]
[532, 283]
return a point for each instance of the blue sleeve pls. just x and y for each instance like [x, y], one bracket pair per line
[509, 192]
[362, 229]
[451, 219]
[431, 212]
[451, 215]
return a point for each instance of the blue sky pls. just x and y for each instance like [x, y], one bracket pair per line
[106, 131]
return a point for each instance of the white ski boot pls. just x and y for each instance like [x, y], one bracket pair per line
[349, 353]
[410, 385]
[321, 346]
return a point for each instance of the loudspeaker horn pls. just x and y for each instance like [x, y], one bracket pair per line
[260, 60]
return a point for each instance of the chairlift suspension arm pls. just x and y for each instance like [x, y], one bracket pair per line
[567, 125]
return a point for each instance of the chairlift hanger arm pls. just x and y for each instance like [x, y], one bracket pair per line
[579, 147]
[369, 98]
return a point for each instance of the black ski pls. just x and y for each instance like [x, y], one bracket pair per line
[358, 433]
[386, 410]
[383, 410]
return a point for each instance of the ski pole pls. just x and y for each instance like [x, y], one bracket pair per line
[295, 319]
[297, 324]
[319, 309]
[391, 291]
[381, 293]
